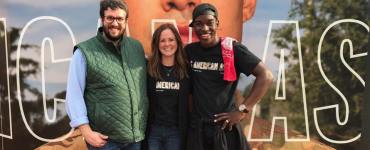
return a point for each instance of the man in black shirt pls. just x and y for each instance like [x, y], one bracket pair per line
[215, 69]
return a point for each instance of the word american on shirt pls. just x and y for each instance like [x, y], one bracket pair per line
[167, 85]
[207, 65]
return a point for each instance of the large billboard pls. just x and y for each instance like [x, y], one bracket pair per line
[317, 51]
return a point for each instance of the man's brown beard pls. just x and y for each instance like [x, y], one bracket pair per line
[107, 34]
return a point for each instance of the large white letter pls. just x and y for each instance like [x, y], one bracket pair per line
[280, 88]
[336, 106]
[4, 53]
[45, 41]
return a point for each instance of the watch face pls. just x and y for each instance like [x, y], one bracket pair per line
[242, 107]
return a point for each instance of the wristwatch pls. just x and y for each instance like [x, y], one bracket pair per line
[242, 108]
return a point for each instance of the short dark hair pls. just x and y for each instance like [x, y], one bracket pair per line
[202, 9]
[113, 4]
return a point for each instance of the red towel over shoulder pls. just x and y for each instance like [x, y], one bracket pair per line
[228, 58]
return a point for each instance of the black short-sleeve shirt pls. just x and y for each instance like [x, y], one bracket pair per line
[211, 94]
[164, 98]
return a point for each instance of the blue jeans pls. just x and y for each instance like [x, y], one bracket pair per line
[111, 145]
[164, 138]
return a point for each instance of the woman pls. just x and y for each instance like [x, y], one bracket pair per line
[168, 91]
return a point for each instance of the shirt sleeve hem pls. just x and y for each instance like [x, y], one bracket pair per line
[79, 121]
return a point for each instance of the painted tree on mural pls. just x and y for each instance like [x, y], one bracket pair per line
[22, 139]
[314, 17]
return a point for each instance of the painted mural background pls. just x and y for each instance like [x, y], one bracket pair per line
[316, 49]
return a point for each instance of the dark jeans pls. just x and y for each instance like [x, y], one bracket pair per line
[111, 145]
[164, 138]
[206, 135]
[232, 138]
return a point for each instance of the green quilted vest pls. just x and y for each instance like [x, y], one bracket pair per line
[115, 92]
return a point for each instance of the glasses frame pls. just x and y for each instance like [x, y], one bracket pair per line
[111, 19]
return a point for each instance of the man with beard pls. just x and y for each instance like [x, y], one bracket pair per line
[106, 90]
[216, 63]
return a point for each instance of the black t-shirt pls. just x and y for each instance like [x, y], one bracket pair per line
[164, 98]
[211, 94]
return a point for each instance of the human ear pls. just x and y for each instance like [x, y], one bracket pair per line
[249, 7]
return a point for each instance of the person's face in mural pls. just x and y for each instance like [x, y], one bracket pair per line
[232, 14]
[114, 23]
